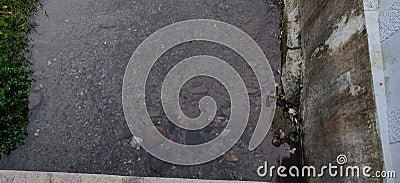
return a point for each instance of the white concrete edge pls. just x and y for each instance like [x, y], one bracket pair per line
[11, 176]
[371, 11]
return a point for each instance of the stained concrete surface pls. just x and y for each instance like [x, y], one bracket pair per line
[337, 102]
[389, 22]
[392, 64]
[81, 49]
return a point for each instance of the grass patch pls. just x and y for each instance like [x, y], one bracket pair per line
[14, 71]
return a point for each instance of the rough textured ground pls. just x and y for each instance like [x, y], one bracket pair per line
[79, 58]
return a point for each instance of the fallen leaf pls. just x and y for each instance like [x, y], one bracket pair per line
[230, 156]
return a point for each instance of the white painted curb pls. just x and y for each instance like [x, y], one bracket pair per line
[11, 176]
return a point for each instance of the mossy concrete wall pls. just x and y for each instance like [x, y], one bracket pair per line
[337, 102]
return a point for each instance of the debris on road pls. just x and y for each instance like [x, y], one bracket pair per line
[135, 142]
[230, 156]
[293, 151]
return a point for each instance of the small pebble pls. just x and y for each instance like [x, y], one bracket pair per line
[199, 90]
[36, 134]
[252, 90]
[292, 111]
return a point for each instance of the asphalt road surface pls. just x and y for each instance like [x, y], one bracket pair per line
[81, 49]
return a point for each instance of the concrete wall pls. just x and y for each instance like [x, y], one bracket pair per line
[337, 102]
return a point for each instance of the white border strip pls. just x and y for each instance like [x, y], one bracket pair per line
[371, 11]
[11, 176]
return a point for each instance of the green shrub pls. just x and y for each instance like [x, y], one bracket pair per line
[14, 71]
